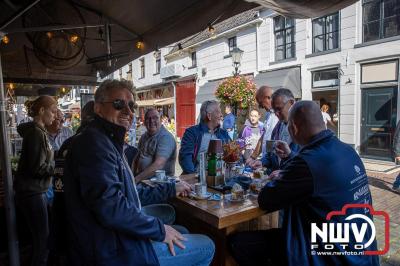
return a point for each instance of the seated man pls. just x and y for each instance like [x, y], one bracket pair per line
[106, 223]
[322, 177]
[157, 148]
[282, 101]
[196, 138]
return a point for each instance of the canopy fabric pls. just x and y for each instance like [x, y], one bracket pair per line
[207, 91]
[145, 103]
[288, 78]
[165, 101]
[304, 8]
[50, 57]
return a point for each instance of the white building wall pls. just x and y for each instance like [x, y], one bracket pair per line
[257, 42]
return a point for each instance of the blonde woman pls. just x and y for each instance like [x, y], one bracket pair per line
[326, 116]
[35, 167]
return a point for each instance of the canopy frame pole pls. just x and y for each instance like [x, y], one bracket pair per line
[18, 14]
[53, 28]
[5, 149]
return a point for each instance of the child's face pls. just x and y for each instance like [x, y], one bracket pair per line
[254, 117]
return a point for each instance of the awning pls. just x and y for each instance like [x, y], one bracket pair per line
[165, 101]
[206, 91]
[282, 78]
[144, 103]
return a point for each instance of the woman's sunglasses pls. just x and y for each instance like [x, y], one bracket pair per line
[119, 105]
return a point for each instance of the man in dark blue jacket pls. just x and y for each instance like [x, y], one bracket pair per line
[106, 223]
[196, 138]
[324, 176]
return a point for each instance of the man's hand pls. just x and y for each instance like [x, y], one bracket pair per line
[182, 188]
[282, 149]
[249, 161]
[255, 164]
[173, 237]
[274, 175]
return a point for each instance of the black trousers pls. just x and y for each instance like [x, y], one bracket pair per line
[259, 247]
[34, 209]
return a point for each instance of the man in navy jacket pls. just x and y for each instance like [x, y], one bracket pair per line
[324, 176]
[196, 138]
[106, 223]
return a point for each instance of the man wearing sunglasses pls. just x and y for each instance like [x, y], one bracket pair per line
[106, 221]
[196, 138]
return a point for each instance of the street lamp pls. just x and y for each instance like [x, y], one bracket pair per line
[236, 54]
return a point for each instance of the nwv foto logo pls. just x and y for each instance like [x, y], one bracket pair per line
[338, 234]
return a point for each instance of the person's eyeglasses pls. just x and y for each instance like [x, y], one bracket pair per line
[120, 104]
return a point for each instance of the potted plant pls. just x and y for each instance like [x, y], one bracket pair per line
[238, 91]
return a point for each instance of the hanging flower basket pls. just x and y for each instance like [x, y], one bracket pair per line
[236, 91]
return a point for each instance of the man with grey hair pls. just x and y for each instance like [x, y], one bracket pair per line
[103, 205]
[196, 138]
[157, 148]
[282, 101]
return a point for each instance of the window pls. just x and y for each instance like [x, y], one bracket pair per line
[83, 90]
[194, 59]
[231, 43]
[158, 65]
[284, 38]
[142, 68]
[325, 78]
[380, 19]
[325, 32]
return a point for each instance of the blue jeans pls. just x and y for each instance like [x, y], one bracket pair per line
[164, 212]
[396, 183]
[199, 251]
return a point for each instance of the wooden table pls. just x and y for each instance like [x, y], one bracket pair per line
[218, 219]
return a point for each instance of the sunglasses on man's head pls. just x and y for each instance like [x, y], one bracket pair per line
[120, 104]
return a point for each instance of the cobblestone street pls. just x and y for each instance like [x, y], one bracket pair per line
[384, 199]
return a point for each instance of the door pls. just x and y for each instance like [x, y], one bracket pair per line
[378, 122]
[185, 105]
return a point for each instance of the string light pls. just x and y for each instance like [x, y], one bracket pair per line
[74, 38]
[180, 49]
[49, 34]
[5, 39]
[139, 44]
[11, 86]
[211, 31]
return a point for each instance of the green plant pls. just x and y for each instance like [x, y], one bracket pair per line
[236, 91]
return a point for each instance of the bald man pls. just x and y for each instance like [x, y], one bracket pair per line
[324, 176]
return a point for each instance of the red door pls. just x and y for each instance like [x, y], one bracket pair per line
[185, 105]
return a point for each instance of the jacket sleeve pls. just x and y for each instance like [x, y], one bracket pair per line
[154, 195]
[104, 191]
[186, 152]
[294, 185]
[40, 162]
